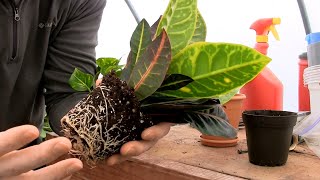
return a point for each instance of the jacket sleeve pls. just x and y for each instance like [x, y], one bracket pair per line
[72, 45]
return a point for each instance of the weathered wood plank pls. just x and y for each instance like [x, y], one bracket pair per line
[150, 169]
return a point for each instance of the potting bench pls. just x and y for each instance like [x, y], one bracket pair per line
[180, 156]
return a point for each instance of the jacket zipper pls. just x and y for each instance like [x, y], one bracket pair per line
[16, 19]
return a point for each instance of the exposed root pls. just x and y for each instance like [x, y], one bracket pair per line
[103, 121]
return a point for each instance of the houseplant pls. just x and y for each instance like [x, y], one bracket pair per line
[233, 110]
[170, 72]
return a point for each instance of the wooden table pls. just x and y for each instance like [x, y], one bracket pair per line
[180, 156]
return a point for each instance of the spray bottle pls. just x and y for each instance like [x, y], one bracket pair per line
[265, 92]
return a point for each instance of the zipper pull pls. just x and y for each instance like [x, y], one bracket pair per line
[16, 14]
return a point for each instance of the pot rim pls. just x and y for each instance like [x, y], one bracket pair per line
[239, 96]
[252, 113]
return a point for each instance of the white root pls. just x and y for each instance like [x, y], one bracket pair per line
[86, 127]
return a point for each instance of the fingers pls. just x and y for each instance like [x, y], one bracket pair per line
[132, 148]
[16, 138]
[150, 137]
[156, 132]
[61, 170]
[24, 160]
[116, 159]
[135, 148]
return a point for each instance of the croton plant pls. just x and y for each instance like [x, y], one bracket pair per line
[171, 74]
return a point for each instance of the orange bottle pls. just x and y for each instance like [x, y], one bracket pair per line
[265, 92]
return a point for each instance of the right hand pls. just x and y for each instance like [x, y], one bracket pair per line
[19, 164]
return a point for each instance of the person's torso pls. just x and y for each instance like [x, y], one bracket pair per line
[26, 31]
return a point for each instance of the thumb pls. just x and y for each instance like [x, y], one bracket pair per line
[98, 82]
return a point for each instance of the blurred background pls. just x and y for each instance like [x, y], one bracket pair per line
[227, 21]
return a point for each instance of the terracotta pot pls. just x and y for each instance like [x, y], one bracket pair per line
[218, 141]
[233, 109]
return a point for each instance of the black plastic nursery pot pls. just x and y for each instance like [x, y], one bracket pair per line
[269, 136]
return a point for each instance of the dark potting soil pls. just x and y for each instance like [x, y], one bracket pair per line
[102, 122]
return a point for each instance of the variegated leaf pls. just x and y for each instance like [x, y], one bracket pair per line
[179, 21]
[216, 68]
[200, 32]
[175, 82]
[150, 70]
[140, 39]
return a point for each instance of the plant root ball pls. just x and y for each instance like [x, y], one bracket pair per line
[103, 121]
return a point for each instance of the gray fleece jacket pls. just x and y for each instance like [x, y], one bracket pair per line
[41, 42]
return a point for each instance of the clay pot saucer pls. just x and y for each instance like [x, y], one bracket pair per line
[218, 141]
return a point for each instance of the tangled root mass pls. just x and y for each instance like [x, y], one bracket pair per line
[103, 121]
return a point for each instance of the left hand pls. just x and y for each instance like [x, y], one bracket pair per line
[150, 137]
[17, 162]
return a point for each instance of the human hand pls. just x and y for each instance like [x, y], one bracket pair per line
[150, 137]
[19, 164]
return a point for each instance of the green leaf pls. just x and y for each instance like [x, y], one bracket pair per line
[140, 39]
[179, 21]
[108, 64]
[200, 32]
[226, 97]
[46, 127]
[150, 70]
[81, 81]
[46, 124]
[210, 124]
[216, 68]
[175, 82]
[43, 134]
